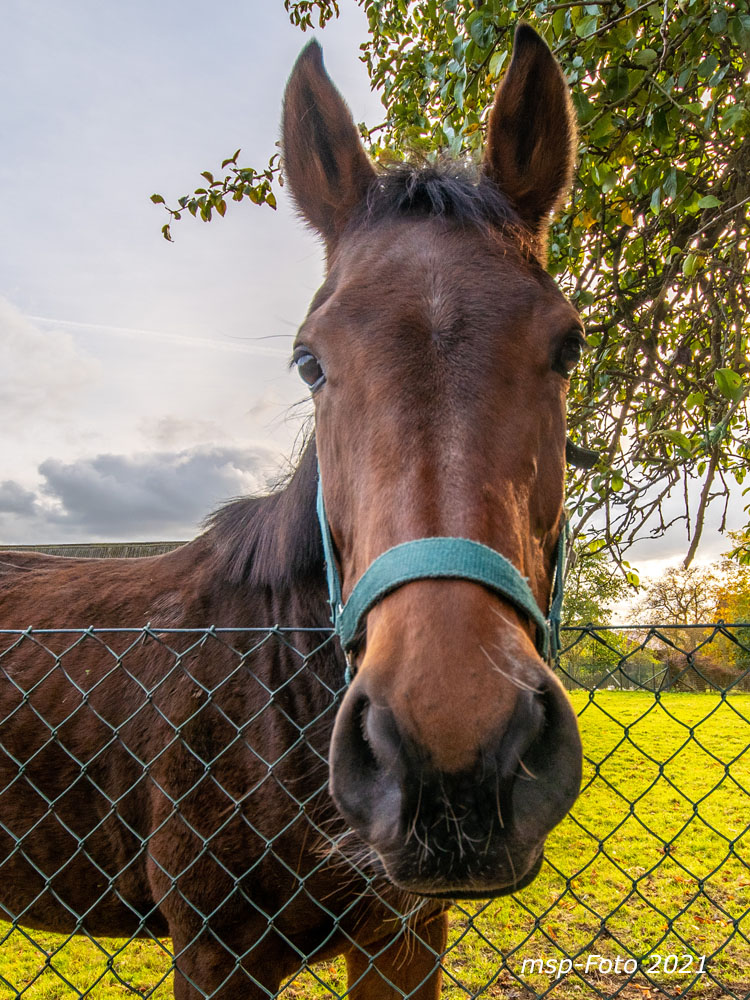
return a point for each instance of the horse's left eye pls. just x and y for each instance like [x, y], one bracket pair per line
[570, 353]
[309, 368]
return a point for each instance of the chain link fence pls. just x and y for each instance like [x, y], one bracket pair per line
[645, 890]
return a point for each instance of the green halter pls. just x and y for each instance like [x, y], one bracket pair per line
[433, 558]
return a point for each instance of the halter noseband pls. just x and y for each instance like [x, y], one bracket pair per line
[433, 558]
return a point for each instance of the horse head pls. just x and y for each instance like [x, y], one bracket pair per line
[438, 352]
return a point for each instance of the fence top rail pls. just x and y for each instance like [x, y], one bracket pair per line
[217, 629]
[223, 629]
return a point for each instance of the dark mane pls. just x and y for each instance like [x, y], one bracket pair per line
[450, 190]
[274, 540]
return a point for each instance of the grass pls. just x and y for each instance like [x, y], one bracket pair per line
[654, 859]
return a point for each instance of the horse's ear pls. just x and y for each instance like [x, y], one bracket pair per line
[531, 137]
[324, 161]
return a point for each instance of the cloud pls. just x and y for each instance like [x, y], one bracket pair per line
[155, 495]
[14, 499]
[173, 432]
[43, 370]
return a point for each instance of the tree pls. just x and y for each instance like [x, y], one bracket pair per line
[592, 587]
[654, 247]
[734, 602]
[700, 657]
[681, 597]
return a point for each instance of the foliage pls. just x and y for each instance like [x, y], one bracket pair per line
[653, 248]
[301, 11]
[238, 183]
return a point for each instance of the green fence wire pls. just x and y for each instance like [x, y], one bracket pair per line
[645, 890]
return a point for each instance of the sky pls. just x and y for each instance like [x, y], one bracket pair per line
[142, 383]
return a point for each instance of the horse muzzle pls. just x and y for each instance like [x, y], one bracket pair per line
[474, 833]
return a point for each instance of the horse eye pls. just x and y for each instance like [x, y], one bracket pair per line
[570, 353]
[309, 368]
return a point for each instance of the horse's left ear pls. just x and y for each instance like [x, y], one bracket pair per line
[324, 161]
[531, 136]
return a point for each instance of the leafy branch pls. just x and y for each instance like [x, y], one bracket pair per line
[237, 184]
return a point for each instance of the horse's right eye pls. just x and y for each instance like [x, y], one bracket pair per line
[309, 368]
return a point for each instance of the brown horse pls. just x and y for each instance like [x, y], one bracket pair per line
[160, 783]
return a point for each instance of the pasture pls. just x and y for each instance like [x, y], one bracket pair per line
[653, 860]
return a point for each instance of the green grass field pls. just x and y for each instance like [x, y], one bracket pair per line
[654, 860]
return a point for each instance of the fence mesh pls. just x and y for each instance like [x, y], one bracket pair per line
[132, 787]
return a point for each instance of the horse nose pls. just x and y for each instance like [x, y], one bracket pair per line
[478, 831]
[379, 774]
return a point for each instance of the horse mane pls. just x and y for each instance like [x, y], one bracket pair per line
[273, 540]
[450, 189]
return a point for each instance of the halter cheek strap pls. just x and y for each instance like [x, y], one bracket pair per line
[439, 558]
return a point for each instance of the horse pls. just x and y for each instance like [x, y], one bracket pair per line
[265, 813]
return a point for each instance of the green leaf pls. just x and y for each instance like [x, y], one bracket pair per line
[480, 29]
[458, 93]
[695, 399]
[157, 200]
[618, 83]
[617, 482]
[645, 57]
[585, 110]
[691, 264]
[601, 129]
[718, 22]
[497, 61]
[710, 201]
[586, 26]
[729, 383]
[680, 440]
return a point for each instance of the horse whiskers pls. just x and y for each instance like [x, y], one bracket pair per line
[497, 801]
[425, 849]
[509, 677]
[530, 773]
[411, 832]
[451, 816]
[510, 862]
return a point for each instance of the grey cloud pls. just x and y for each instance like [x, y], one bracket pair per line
[161, 495]
[14, 499]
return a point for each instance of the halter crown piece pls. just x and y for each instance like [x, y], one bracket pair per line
[436, 558]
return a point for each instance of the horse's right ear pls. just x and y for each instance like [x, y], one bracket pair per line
[531, 136]
[324, 162]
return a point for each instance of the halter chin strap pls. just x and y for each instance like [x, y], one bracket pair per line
[439, 558]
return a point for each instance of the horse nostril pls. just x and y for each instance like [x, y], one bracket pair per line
[548, 770]
[360, 738]
[523, 730]
[367, 769]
